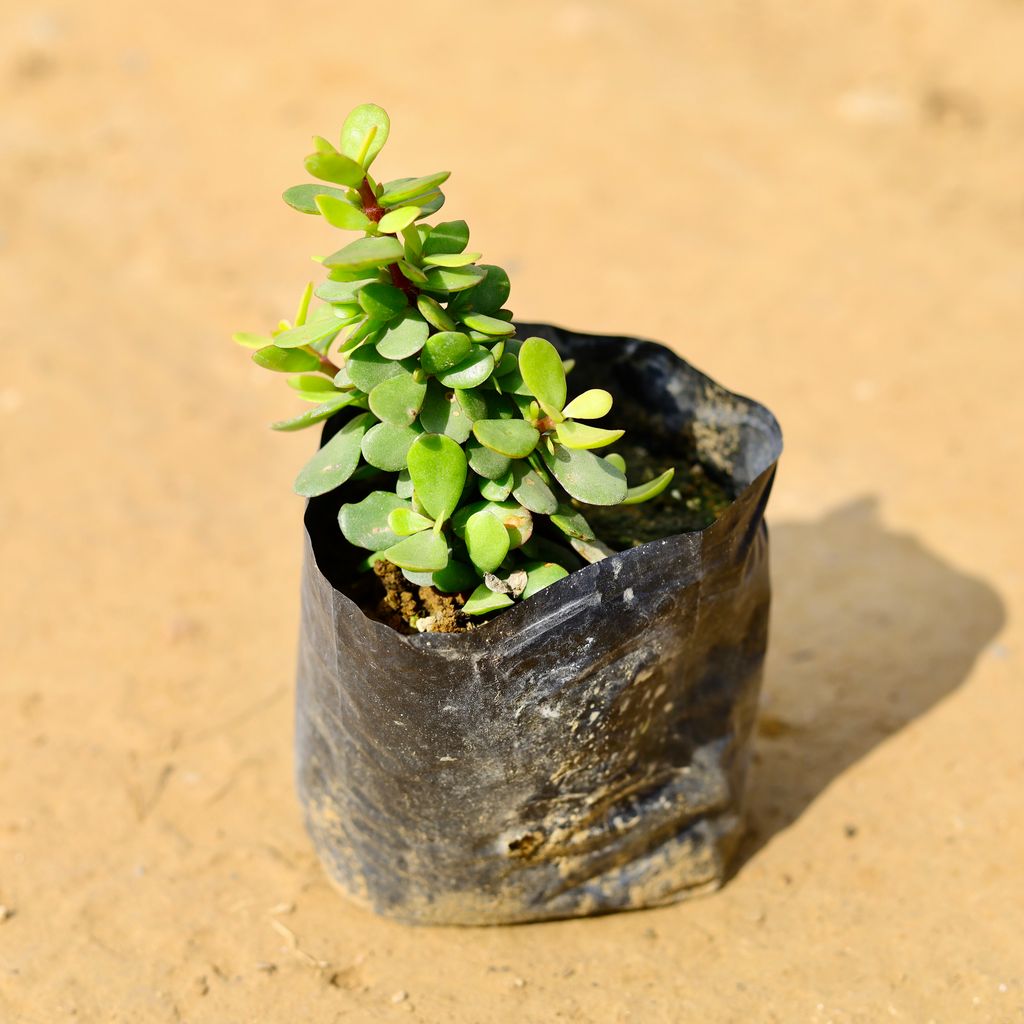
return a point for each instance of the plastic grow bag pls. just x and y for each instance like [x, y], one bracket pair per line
[584, 751]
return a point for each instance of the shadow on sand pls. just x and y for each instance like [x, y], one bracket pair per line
[869, 631]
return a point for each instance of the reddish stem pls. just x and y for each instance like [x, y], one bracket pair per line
[375, 212]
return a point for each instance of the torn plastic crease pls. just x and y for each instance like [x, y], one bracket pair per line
[584, 751]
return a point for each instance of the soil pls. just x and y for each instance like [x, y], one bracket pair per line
[410, 609]
[819, 204]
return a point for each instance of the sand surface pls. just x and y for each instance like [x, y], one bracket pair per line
[820, 204]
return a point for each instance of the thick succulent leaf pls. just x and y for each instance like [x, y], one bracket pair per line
[309, 382]
[367, 368]
[395, 220]
[365, 523]
[487, 541]
[591, 405]
[403, 484]
[335, 462]
[247, 339]
[471, 372]
[541, 368]
[539, 576]
[386, 446]
[489, 295]
[412, 273]
[487, 325]
[586, 476]
[341, 292]
[474, 404]
[591, 550]
[437, 465]
[335, 167]
[316, 331]
[403, 189]
[455, 577]
[366, 253]
[514, 438]
[286, 360]
[398, 399]
[434, 313]
[442, 413]
[428, 202]
[454, 279]
[500, 489]
[364, 133]
[317, 414]
[404, 336]
[444, 350]
[422, 552]
[513, 517]
[531, 491]
[340, 213]
[572, 523]
[303, 197]
[651, 489]
[582, 435]
[485, 462]
[404, 522]
[616, 460]
[451, 259]
[484, 600]
[382, 301]
[450, 236]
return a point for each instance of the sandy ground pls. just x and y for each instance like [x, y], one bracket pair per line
[820, 204]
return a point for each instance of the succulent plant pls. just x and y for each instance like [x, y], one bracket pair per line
[464, 430]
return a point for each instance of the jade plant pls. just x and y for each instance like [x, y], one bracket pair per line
[463, 433]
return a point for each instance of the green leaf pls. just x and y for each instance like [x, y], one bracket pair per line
[398, 399]
[367, 368]
[249, 340]
[437, 465]
[489, 295]
[422, 552]
[651, 489]
[444, 350]
[344, 293]
[309, 382]
[335, 167]
[539, 576]
[591, 405]
[500, 489]
[382, 301]
[582, 435]
[303, 197]
[294, 360]
[364, 524]
[315, 415]
[616, 460]
[442, 413]
[542, 371]
[514, 438]
[531, 491]
[487, 324]
[434, 313]
[455, 279]
[451, 259]
[404, 522]
[455, 577]
[316, 331]
[335, 462]
[486, 541]
[473, 403]
[591, 550]
[340, 213]
[366, 253]
[471, 372]
[364, 133]
[572, 523]
[412, 273]
[428, 202]
[387, 445]
[395, 220]
[402, 189]
[450, 236]
[484, 600]
[585, 476]
[404, 336]
[403, 484]
[485, 462]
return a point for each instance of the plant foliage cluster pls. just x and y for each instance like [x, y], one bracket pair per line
[466, 432]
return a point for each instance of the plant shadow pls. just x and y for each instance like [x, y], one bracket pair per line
[869, 631]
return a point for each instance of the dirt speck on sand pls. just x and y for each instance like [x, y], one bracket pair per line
[819, 204]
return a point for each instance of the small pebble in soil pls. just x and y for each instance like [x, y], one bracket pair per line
[400, 996]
